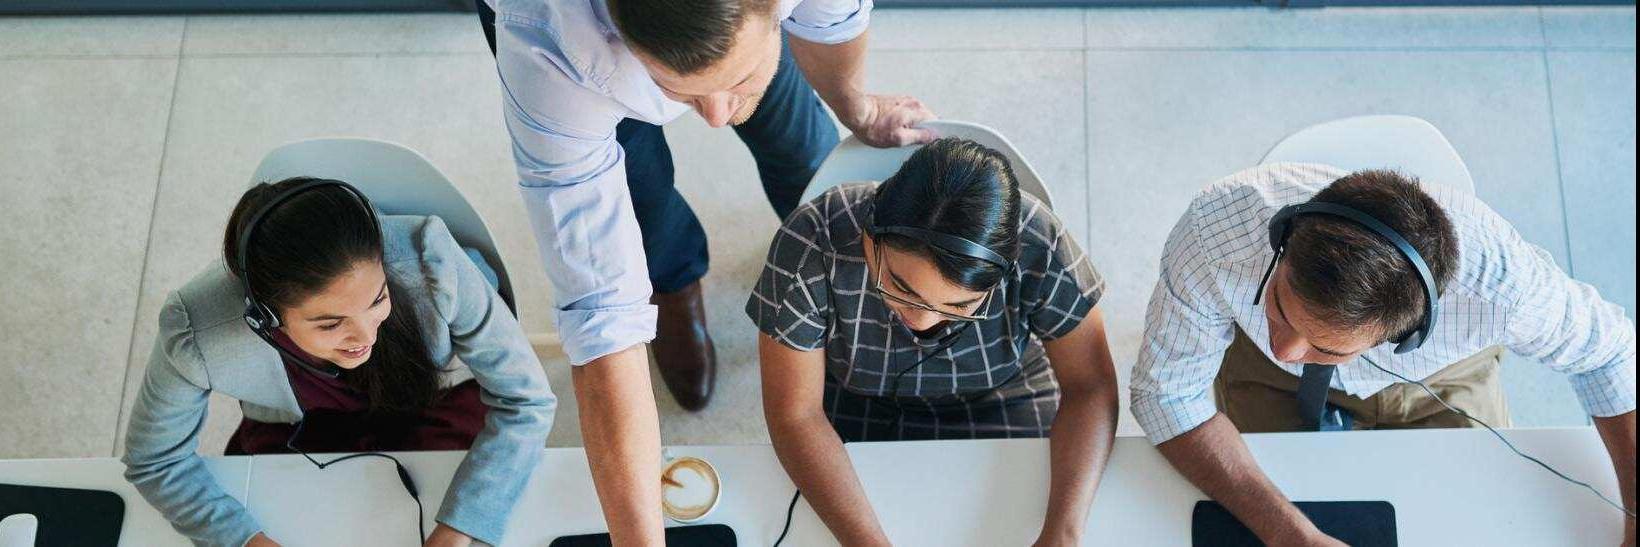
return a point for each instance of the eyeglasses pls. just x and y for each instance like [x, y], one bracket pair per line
[877, 286]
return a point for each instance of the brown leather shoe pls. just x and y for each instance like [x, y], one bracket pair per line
[683, 348]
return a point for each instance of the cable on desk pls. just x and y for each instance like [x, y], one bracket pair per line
[404, 475]
[788, 527]
[1506, 442]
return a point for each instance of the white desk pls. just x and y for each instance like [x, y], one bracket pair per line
[559, 500]
[1451, 487]
[143, 524]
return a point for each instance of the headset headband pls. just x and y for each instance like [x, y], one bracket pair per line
[947, 242]
[257, 315]
[1281, 228]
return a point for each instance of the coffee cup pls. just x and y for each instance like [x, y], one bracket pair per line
[690, 488]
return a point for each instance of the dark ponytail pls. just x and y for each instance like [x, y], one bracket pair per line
[955, 187]
[300, 247]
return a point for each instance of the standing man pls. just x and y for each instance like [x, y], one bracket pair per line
[586, 85]
[1322, 312]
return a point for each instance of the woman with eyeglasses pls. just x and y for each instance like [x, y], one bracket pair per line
[336, 330]
[939, 304]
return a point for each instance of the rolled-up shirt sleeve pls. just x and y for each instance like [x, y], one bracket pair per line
[573, 180]
[828, 21]
[1565, 324]
[1187, 329]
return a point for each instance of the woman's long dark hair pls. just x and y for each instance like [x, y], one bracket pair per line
[307, 242]
[956, 187]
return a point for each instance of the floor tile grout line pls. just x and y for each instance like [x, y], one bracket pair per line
[1134, 49]
[1087, 37]
[85, 57]
[148, 243]
[1355, 48]
[1617, 49]
[1087, 133]
[267, 55]
[1554, 134]
[1554, 142]
[336, 54]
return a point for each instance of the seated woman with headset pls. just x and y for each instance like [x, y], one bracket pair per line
[335, 329]
[940, 304]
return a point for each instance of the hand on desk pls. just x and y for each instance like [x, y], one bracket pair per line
[445, 536]
[442, 536]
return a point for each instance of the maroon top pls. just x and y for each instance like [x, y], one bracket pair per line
[337, 419]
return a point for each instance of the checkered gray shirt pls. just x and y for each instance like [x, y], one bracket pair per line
[1506, 292]
[993, 381]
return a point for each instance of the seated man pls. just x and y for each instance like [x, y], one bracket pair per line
[1246, 306]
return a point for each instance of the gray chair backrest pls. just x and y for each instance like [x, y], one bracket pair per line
[398, 181]
[855, 161]
[1410, 145]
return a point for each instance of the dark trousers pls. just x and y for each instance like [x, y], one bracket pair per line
[788, 135]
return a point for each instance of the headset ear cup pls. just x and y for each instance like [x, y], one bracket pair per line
[1411, 342]
[252, 319]
[260, 317]
[1280, 224]
[271, 319]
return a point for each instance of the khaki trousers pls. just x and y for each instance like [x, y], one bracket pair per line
[1259, 396]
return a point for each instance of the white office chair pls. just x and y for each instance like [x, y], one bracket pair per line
[398, 181]
[1410, 145]
[855, 161]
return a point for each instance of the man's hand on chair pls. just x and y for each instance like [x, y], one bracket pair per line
[886, 121]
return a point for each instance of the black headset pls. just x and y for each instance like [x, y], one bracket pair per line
[949, 243]
[258, 316]
[1281, 228]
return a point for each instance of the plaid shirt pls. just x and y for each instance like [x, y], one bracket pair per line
[993, 380]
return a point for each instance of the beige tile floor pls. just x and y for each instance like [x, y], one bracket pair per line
[123, 141]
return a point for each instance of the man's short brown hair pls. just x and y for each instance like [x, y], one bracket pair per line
[685, 36]
[1352, 278]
